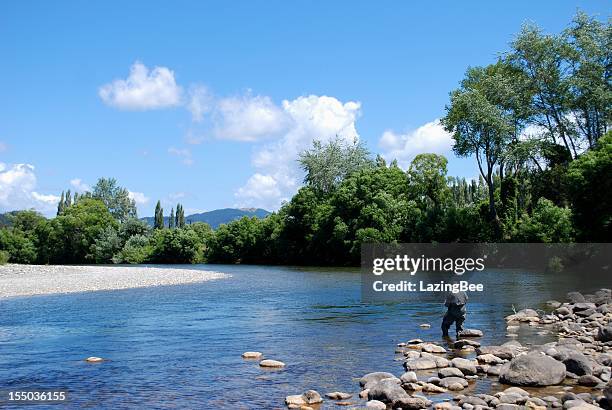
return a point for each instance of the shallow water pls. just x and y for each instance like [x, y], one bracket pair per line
[180, 346]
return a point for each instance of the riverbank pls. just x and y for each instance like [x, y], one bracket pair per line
[30, 280]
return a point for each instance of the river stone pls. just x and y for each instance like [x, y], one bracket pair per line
[577, 363]
[409, 377]
[588, 380]
[460, 344]
[338, 395]
[295, 400]
[432, 348]
[387, 390]
[471, 333]
[473, 400]
[94, 359]
[448, 381]
[411, 403]
[419, 364]
[604, 334]
[424, 325]
[575, 297]
[533, 369]
[432, 388]
[467, 367]
[516, 390]
[376, 405]
[450, 372]
[489, 359]
[374, 377]
[271, 363]
[312, 397]
[503, 352]
[252, 355]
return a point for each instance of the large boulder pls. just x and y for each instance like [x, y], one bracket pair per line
[577, 363]
[467, 367]
[373, 378]
[605, 334]
[533, 369]
[387, 391]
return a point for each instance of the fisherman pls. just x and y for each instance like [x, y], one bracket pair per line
[455, 302]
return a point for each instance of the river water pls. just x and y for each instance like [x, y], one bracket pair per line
[180, 346]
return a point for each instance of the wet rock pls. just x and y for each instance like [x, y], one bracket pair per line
[578, 405]
[575, 297]
[494, 370]
[295, 400]
[411, 403]
[387, 390]
[516, 390]
[414, 342]
[376, 405]
[471, 333]
[467, 367]
[94, 359]
[432, 348]
[588, 380]
[374, 377]
[271, 363]
[448, 382]
[604, 334]
[252, 355]
[577, 363]
[432, 388]
[312, 397]
[409, 377]
[473, 400]
[489, 359]
[553, 304]
[364, 394]
[512, 398]
[533, 369]
[450, 372]
[503, 352]
[337, 395]
[608, 393]
[419, 364]
[460, 344]
[505, 406]
[424, 325]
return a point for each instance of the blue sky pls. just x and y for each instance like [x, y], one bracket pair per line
[208, 103]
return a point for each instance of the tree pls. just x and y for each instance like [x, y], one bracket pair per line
[171, 219]
[117, 199]
[105, 245]
[548, 223]
[180, 216]
[427, 179]
[326, 165]
[61, 205]
[159, 216]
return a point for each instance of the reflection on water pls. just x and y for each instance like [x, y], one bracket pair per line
[180, 346]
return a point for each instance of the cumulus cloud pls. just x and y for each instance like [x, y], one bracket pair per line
[17, 190]
[79, 185]
[144, 89]
[428, 138]
[200, 102]
[278, 174]
[183, 154]
[248, 118]
[138, 197]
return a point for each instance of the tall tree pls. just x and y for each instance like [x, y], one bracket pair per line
[159, 216]
[180, 216]
[116, 198]
[171, 219]
[61, 205]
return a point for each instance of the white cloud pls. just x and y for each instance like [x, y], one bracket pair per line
[311, 118]
[17, 190]
[200, 102]
[79, 185]
[143, 89]
[183, 153]
[428, 138]
[138, 197]
[248, 118]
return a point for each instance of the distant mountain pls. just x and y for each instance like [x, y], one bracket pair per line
[218, 216]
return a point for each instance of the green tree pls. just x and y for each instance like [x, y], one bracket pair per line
[548, 223]
[137, 249]
[159, 216]
[105, 245]
[171, 219]
[116, 198]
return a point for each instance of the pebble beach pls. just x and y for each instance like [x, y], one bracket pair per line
[30, 280]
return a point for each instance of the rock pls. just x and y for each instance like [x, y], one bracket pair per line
[578, 404]
[575, 297]
[432, 388]
[516, 390]
[504, 406]
[489, 359]
[473, 400]
[419, 364]
[432, 348]
[252, 355]
[460, 344]
[295, 400]
[608, 393]
[467, 367]
[503, 352]
[344, 403]
[94, 359]
[577, 363]
[553, 304]
[312, 397]
[448, 381]
[414, 342]
[364, 394]
[470, 333]
[387, 390]
[494, 370]
[376, 405]
[604, 334]
[374, 377]
[409, 377]
[411, 403]
[271, 363]
[588, 380]
[337, 395]
[533, 369]
[450, 372]
[424, 325]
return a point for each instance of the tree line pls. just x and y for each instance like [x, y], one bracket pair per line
[536, 122]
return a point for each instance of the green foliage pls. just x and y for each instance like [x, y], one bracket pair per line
[105, 245]
[548, 223]
[117, 199]
[19, 247]
[137, 249]
[176, 246]
[159, 216]
[4, 257]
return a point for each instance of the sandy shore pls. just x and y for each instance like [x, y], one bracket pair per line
[28, 280]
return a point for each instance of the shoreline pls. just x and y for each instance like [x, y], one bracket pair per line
[35, 280]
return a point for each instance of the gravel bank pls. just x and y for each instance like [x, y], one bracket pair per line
[28, 280]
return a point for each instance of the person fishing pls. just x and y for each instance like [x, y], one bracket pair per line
[456, 312]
